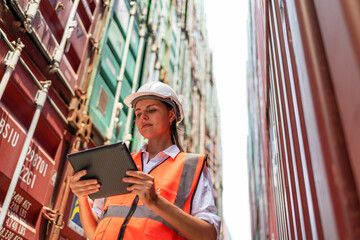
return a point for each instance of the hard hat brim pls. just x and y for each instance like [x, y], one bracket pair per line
[131, 99]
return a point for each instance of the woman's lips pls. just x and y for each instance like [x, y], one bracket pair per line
[146, 126]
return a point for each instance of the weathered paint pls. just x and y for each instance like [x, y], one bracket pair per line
[48, 28]
[311, 155]
[37, 174]
[43, 159]
[339, 22]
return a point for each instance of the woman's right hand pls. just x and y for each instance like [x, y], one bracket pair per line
[82, 188]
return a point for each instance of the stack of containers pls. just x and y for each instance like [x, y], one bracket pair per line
[83, 58]
[303, 101]
[41, 74]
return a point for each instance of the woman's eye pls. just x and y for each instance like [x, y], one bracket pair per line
[151, 110]
[138, 115]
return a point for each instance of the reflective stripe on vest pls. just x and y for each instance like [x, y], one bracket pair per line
[186, 181]
[141, 212]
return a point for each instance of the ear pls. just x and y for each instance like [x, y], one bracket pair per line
[172, 116]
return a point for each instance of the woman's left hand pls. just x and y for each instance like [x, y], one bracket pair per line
[143, 186]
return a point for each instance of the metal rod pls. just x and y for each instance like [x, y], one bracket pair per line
[5, 80]
[10, 61]
[30, 13]
[120, 78]
[152, 60]
[39, 101]
[33, 77]
[70, 26]
[38, 42]
[127, 135]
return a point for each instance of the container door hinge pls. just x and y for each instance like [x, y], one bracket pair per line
[30, 13]
[59, 51]
[10, 62]
[12, 57]
[69, 32]
[41, 95]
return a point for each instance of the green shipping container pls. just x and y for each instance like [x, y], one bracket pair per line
[103, 94]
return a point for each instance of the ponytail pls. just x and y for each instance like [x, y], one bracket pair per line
[174, 132]
[175, 136]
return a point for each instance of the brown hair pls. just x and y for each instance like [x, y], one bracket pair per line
[174, 132]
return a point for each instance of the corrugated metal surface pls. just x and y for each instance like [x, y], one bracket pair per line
[340, 22]
[47, 21]
[300, 112]
[41, 166]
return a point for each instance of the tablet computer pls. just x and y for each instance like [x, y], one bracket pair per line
[108, 164]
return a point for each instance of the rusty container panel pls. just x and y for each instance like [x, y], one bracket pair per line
[339, 22]
[47, 28]
[36, 176]
[307, 120]
[291, 159]
[265, 221]
[39, 172]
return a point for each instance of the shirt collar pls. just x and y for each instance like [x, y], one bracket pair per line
[171, 151]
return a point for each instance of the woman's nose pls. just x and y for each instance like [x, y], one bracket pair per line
[144, 116]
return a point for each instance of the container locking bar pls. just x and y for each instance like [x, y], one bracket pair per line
[127, 135]
[39, 101]
[120, 77]
[10, 61]
[30, 13]
[65, 40]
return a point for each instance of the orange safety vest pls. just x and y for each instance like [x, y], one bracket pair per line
[126, 217]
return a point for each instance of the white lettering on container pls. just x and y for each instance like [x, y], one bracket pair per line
[12, 136]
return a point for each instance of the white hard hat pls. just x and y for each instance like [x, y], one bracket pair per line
[160, 91]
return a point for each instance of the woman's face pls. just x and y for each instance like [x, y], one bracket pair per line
[153, 118]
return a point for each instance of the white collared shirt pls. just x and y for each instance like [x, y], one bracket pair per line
[203, 206]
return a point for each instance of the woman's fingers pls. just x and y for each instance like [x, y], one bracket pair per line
[139, 181]
[139, 174]
[83, 187]
[83, 192]
[137, 177]
[143, 186]
[78, 175]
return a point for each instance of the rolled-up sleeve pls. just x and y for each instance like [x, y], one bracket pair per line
[98, 206]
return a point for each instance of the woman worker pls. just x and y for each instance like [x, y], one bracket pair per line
[171, 196]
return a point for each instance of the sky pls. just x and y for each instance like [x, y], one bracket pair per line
[227, 32]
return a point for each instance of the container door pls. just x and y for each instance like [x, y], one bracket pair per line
[102, 99]
[36, 183]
